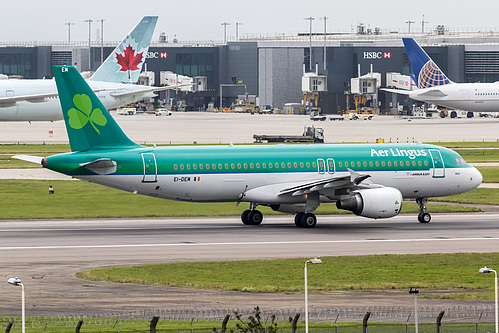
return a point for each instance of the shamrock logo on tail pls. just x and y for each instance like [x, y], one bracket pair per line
[84, 113]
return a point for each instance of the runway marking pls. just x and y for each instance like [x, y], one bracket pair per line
[50, 247]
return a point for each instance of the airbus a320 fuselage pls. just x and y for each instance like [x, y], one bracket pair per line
[370, 180]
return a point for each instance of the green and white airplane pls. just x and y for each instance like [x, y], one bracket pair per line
[370, 180]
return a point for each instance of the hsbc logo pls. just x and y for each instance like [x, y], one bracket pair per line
[377, 55]
[156, 55]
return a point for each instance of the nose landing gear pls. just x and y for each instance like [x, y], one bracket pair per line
[423, 216]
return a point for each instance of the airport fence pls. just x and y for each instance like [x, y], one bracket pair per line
[342, 319]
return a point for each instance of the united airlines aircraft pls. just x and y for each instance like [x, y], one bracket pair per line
[436, 88]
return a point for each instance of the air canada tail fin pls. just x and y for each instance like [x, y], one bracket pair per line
[425, 70]
[88, 123]
[125, 62]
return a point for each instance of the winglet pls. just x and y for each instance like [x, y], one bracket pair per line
[427, 74]
[125, 62]
[88, 123]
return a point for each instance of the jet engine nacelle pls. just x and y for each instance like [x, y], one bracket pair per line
[374, 203]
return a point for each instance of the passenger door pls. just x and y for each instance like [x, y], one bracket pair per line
[150, 168]
[438, 164]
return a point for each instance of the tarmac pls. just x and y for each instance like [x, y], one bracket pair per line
[215, 128]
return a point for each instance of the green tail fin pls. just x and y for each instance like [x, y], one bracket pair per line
[88, 123]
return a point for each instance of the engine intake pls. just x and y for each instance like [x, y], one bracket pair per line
[373, 203]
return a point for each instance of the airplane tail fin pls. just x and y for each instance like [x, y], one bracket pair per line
[425, 70]
[88, 123]
[124, 64]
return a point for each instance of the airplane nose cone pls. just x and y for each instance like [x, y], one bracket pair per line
[475, 178]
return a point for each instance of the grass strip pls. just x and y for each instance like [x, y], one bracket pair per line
[78, 199]
[113, 325]
[431, 272]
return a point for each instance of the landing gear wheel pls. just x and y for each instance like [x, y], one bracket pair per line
[308, 220]
[424, 218]
[255, 217]
[244, 216]
[298, 218]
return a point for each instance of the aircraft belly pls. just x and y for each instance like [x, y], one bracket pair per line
[49, 110]
[8, 113]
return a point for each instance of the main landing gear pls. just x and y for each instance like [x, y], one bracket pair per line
[252, 216]
[305, 220]
[423, 216]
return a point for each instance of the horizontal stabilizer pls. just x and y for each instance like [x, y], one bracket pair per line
[102, 166]
[29, 158]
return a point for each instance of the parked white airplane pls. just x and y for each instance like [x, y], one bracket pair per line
[435, 87]
[37, 100]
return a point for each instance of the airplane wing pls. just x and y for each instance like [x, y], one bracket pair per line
[326, 187]
[146, 90]
[431, 92]
[397, 91]
[422, 93]
[36, 98]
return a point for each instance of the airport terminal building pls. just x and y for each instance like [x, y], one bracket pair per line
[271, 68]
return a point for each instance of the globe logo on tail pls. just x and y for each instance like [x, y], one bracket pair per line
[431, 76]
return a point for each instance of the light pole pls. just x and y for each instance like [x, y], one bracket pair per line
[17, 282]
[422, 25]
[69, 24]
[414, 290]
[489, 270]
[310, 62]
[101, 40]
[225, 24]
[237, 30]
[325, 39]
[311, 261]
[89, 21]
[409, 22]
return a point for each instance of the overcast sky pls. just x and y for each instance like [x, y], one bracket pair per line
[200, 20]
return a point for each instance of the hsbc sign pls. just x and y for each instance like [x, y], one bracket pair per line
[377, 55]
[156, 55]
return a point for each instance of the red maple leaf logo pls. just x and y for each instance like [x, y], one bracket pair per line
[129, 61]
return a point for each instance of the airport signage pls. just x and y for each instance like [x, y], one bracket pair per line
[377, 55]
[156, 55]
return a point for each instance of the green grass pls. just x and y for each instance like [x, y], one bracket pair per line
[490, 174]
[430, 272]
[78, 199]
[468, 144]
[479, 155]
[486, 196]
[104, 325]
[34, 149]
